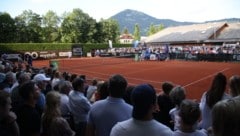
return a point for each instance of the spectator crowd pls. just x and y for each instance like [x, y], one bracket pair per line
[48, 102]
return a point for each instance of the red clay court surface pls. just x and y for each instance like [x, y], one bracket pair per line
[196, 77]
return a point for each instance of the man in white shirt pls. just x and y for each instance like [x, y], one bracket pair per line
[106, 113]
[65, 87]
[79, 106]
[142, 122]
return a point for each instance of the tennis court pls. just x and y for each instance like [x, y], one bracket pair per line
[196, 77]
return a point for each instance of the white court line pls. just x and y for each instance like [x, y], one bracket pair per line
[194, 82]
[144, 80]
[123, 75]
[128, 83]
[144, 70]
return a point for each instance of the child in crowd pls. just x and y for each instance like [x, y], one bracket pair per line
[177, 95]
[189, 112]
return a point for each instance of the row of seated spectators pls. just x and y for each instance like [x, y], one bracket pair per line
[51, 103]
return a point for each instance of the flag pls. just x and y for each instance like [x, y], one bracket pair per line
[110, 43]
[136, 43]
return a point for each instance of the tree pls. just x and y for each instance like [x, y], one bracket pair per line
[110, 30]
[154, 29]
[7, 28]
[160, 27]
[125, 30]
[98, 36]
[151, 30]
[136, 33]
[50, 23]
[77, 27]
[28, 27]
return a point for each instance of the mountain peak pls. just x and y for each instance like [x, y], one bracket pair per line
[128, 18]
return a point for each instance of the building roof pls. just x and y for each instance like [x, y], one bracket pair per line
[230, 32]
[126, 36]
[197, 33]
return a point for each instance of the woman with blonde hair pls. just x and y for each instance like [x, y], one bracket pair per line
[52, 122]
[234, 85]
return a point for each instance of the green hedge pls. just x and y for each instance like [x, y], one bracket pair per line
[18, 47]
[34, 46]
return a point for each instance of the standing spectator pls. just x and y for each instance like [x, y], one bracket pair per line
[16, 83]
[225, 117]
[102, 91]
[17, 100]
[177, 95]
[73, 76]
[235, 85]
[215, 93]
[65, 87]
[56, 78]
[79, 106]
[41, 81]
[52, 122]
[28, 117]
[92, 89]
[142, 122]
[8, 124]
[165, 104]
[189, 113]
[8, 82]
[2, 79]
[29, 60]
[127, 95]
[28, 69]
[83, 77]
[106, 113]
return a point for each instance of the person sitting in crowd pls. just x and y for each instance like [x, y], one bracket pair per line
[234, 85]
[127, 95]
[28, 117]
[142, 122]
[52, 122]
[104, 114]
[165, 104]
[8, 124]
[225, 117]
[177, 95]
[215, 93]
[189, 112]
[79, 106]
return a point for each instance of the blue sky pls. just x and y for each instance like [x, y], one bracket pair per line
[180, 10]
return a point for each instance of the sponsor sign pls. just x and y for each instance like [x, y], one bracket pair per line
[65, 54]
[48, 55]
